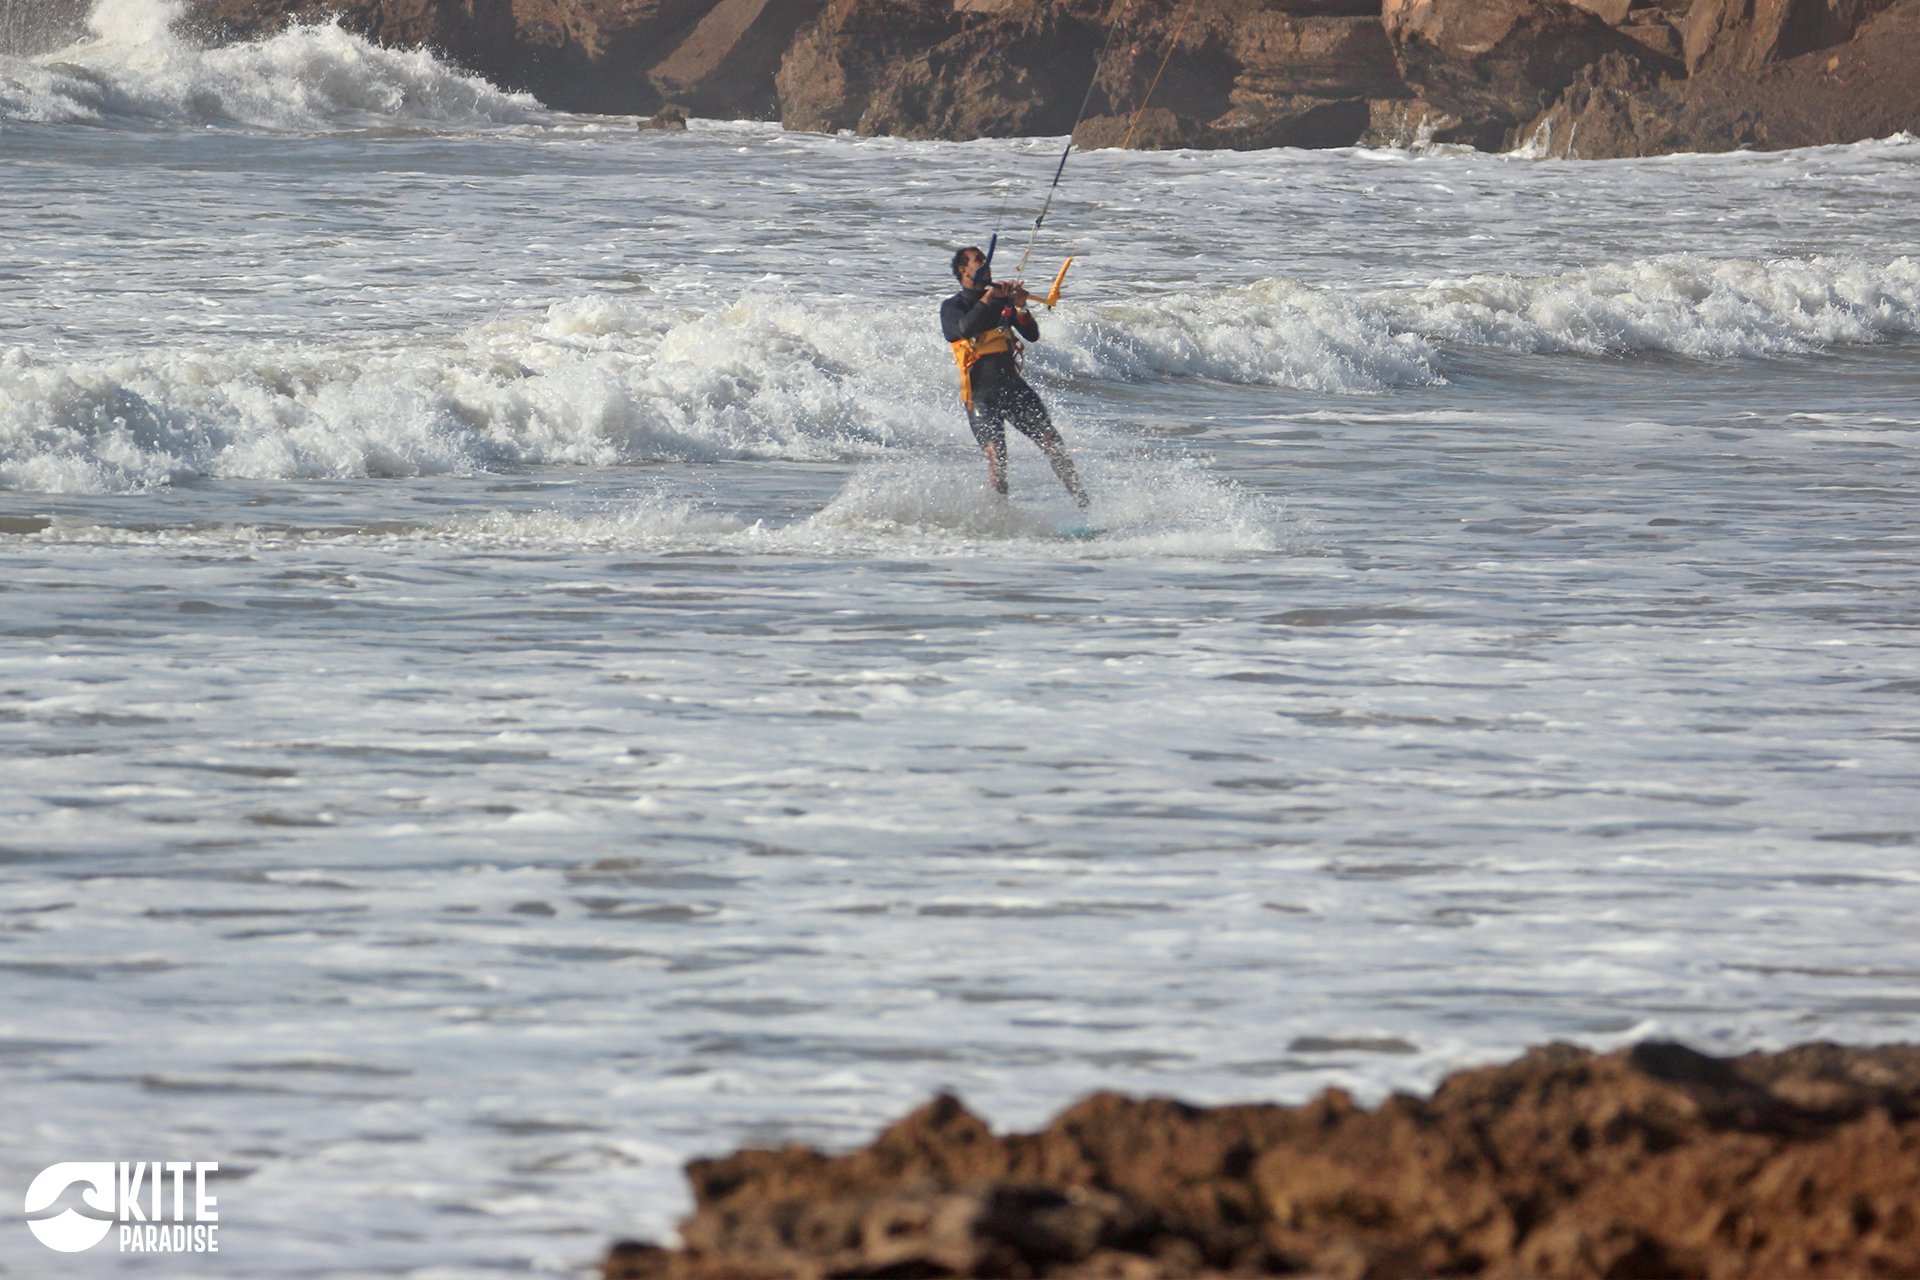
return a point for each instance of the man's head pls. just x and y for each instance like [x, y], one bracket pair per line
[970, 268]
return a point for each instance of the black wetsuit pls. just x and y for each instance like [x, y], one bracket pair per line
[1000, 395]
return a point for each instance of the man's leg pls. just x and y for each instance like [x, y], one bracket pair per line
[990, 431]
[1030, 417]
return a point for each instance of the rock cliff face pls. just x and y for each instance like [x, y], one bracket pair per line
[1587, 78]
[1764, 74]
[1221, 72]
[1651, 1162]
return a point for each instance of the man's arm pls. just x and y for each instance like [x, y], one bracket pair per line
[957, 320]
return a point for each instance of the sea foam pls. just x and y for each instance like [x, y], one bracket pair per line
[600, 380]
[137, 67]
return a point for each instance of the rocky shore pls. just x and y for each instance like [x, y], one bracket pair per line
[1655, 1161]
[1575, 78]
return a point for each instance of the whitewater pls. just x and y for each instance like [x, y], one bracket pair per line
[513, 677]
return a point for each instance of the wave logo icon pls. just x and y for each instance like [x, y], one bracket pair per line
[70, 1205]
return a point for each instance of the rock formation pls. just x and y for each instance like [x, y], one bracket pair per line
[1764, 74]
[1652, 1162]
[1501, 62]
[1221, 72]
[1588, 78]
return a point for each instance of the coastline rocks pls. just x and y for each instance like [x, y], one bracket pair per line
[1652, 1161]
[725, 65]
[1570, 78]
[1751, 33]
[671, 118]
[1501, 62]
[1793, 74]
[839, 62]
[1221, 73]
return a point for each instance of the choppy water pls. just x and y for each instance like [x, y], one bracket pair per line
[511, 676]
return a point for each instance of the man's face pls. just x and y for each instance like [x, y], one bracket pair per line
[971, 264]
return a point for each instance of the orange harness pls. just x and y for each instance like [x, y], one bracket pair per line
[967, 352]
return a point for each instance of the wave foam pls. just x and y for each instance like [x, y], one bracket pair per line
[1679, 304]
[925, 505]
[599, 381]
[136, 67]
[594, 382]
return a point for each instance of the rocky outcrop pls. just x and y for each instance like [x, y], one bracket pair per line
[1763, 74]
[1501, 62]
[1586, 78]
[1750, 34]
[1210, 73]
[725, 66]
[1652, 1162]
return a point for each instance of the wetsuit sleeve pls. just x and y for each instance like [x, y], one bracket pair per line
[1029, 327]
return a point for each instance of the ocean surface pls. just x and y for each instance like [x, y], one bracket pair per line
[511, 675]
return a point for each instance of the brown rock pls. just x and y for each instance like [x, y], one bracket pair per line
[1659, 36]
[1867, 87]
[828, 78]
[996, 77]
[593, 55]
[671, 117]
[726, 65]
[1747, 34]
[1285, 56]
[1240, 73]
[1501, 61]
[1611, 12]
[1655, 1161]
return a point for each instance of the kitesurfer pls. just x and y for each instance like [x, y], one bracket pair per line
[985, 323]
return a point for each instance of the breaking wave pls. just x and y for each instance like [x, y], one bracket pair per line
[598, 381]
[136, 67]
[1283, 334]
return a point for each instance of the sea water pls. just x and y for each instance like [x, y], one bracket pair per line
[513, 677]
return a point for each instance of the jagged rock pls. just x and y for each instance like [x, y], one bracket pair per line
[1502, 61]
[1281, 55]
[1666, 75]
[1658, 35]
[1612, 12]
[1747, 34]
[998, 77]
[1269, 73]
[593, 55]
[671, 117]
[727, 63]
[838, 62]
[1866, 86]
[1653, 1161]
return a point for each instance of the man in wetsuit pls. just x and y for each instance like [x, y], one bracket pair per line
[984, 322]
